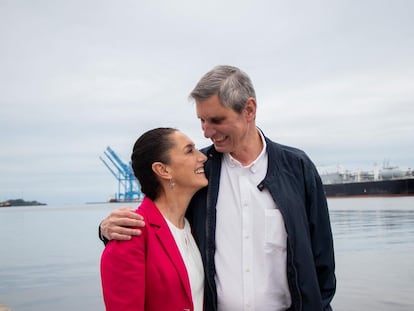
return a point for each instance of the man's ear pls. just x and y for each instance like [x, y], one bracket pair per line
[250, 109]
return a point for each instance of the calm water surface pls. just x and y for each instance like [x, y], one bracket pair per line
[49, 257]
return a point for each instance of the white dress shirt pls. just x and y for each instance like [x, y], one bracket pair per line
[251, 241]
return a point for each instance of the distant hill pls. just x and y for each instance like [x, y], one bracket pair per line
[19, 202]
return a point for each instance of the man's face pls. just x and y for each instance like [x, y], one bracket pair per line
[226, 128]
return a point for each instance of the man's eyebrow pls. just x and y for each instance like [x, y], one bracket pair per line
[214, 118]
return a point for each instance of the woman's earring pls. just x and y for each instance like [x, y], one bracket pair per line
[171, 183]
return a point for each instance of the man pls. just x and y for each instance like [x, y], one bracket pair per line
[262, 224]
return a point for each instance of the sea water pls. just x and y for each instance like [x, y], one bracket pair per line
[49, 256]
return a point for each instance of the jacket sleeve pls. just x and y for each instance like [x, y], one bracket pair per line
[123, 274]
[321, 237]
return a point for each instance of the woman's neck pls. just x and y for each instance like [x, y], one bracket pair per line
[173, 207]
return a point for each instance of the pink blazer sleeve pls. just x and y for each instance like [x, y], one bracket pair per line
[123, 274]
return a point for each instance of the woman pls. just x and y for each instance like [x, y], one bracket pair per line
[162, 269]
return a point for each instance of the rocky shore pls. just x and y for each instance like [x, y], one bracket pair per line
[19, 202]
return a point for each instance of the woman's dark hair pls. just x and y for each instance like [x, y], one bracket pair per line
[152, 146]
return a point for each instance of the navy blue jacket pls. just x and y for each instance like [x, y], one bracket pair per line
[296, 188]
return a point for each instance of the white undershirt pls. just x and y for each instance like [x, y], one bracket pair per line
[192, 260]
[251, 241]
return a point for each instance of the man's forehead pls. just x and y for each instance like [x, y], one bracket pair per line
[211, 108]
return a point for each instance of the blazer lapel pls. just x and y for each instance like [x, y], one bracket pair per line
[166, 239]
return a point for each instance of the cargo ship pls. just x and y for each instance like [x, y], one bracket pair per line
[388, 181]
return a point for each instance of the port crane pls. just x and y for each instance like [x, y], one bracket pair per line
[128, 185]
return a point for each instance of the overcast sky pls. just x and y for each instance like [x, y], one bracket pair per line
[334, 78]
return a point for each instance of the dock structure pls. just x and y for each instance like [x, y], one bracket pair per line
[128, 185]
[388, 181]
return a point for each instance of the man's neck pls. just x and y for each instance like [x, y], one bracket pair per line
[251, 150]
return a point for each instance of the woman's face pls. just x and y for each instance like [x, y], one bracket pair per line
[186, 163]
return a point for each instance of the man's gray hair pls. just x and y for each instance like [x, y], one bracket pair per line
[232, 85]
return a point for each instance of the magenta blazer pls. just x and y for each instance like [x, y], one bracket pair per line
[146, 272]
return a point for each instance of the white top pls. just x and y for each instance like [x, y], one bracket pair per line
[192, 260]
[251, 241]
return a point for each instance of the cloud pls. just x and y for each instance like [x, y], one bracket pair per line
[331, 78]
